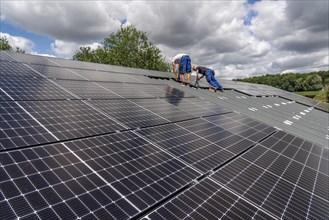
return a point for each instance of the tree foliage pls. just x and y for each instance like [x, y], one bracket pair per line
[127, 47]
[323, 94]
[4, 45]
[293, 82]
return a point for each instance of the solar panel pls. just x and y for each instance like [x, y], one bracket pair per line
[5, 57]
[161, 91]
[147, 80]
[198, 107]
[124, 90]
[275, 177]
[16, 69]
[80, 65]
[103, 76]
[242, 125]
[87, 90]
[70, 119]
[164, 109]
[3, 95]
[18, 128]
[128, 113]
[31, 89]
[55, 72]
[208, 200]
[28, 58]
[205, 146]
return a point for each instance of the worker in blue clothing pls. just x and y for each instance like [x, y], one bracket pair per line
[210, 76]
[184, 62]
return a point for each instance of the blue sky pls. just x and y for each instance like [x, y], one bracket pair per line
[236, 38]
[253, 1]
[42, 43]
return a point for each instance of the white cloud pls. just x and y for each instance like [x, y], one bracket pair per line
[302, 62]
[283, 35]
[21, 42]
[65, 49]
[43, 54]
[84, 21]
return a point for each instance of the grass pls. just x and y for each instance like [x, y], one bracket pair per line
[317, 95]
[308, 93]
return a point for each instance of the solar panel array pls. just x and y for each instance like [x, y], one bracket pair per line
[93, 141]
[291, 116]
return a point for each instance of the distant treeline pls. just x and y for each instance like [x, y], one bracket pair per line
[293, 82]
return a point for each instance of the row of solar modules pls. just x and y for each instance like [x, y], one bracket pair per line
[53, 68]
[26, 123]
[16, 88]
[298, 119]
[52, 63]
[263, 90]
[132, 173]
[257, 90]
[16, 69]
[291, 116]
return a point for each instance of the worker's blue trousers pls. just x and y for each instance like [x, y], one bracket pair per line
[212, 80]
[185, 65]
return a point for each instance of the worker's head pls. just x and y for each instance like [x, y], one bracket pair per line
[194, 67]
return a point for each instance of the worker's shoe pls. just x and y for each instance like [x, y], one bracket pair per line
[221, 90]
[213, 89]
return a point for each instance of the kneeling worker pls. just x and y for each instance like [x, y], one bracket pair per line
[209, 73]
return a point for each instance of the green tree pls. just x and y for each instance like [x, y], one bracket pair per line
[323, 94]
[314, 82]
[4, 45]
[293, 82]
[127, 47]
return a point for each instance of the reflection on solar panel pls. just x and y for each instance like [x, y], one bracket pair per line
[31, 89]
[264, 90]
[25, 58]
[5, 57]
[70, 119]
[54, 72]
[88, 141]
[87, 90]
[16, 69]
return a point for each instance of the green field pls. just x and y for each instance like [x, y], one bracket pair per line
[308, 93]
[314, 95]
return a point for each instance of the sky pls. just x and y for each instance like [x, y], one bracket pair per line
[237, 38]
